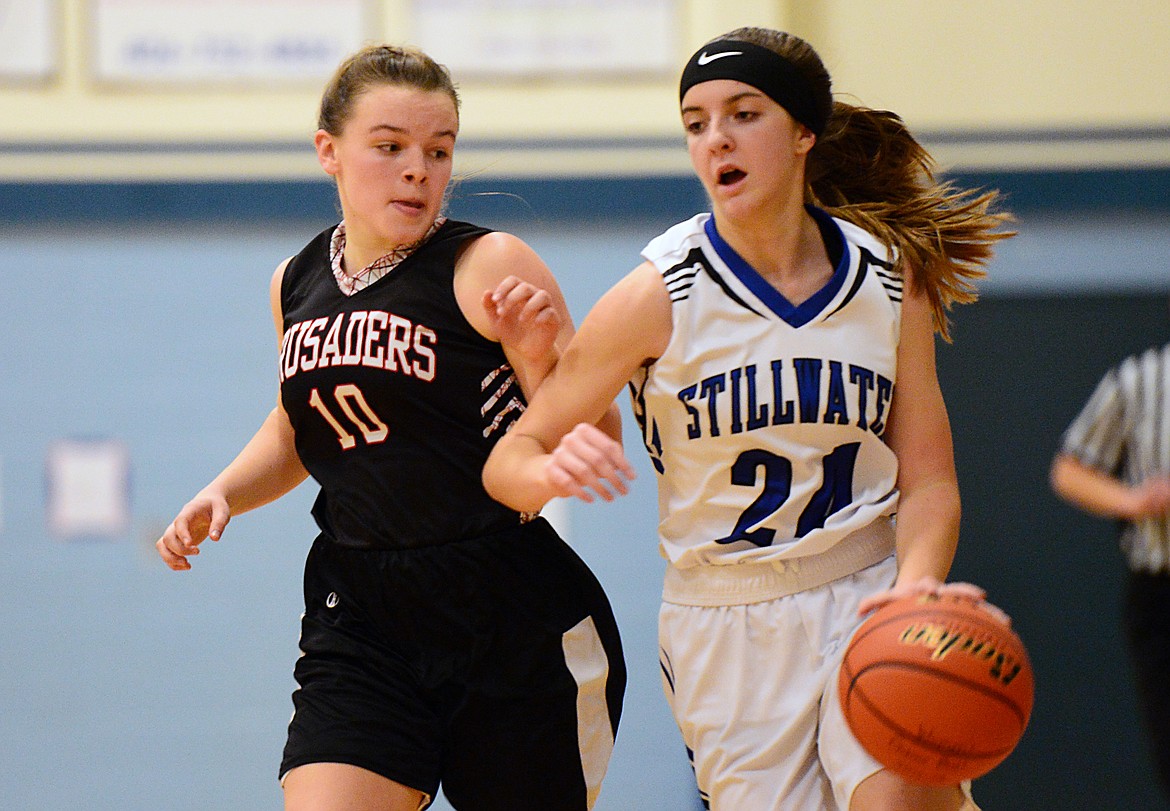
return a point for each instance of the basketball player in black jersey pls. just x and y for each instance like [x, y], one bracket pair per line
[447, 639]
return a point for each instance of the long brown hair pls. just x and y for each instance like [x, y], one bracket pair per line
[868, 169]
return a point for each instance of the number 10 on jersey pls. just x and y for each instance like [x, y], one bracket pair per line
[347, 396]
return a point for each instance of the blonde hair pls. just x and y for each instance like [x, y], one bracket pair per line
[868, 169]
[377, 65]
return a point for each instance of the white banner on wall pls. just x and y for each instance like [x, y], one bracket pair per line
[197, 41]
[28, 39]
[533, 38]
[88, 488]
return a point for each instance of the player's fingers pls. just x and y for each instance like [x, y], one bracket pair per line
[187, 538]
[220, 515]
[588, 435]
[170, 557]
[488, 302]
[925, 586]
[526, 302]
[607, 471]
[546, 316]
[586, 471]
[622, 463]
[966, 591]
[181, 546]
[565, 484]
[595, 466]
[538, 302]
[603, 453]
[511, 294]
[572, 463]
[505, 287]
[998, 613]
[922, 586]
[874, 602]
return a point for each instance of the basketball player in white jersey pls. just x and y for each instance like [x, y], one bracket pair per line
[780, 355]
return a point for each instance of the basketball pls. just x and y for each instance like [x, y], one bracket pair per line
[936, 689]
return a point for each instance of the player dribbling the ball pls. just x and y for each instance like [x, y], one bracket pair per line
[780, 355]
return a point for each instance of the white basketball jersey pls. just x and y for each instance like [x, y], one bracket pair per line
[763, 420]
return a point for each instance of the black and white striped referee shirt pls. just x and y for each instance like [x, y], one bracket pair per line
[1124, 430]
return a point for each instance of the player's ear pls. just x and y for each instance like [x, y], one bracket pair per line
[806, 140]
[326, 151]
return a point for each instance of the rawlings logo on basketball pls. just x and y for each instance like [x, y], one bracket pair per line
[941, 640]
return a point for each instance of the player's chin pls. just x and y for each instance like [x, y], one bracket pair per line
[405, 226]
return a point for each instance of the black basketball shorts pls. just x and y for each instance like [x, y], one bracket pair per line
[491, 666]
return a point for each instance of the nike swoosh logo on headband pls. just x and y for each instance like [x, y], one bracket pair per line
[704, 59]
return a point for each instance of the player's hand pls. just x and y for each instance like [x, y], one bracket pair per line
[204, 516]
[588, 459]
[523, 317]
[933, 587]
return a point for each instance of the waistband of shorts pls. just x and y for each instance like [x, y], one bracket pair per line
[744, 583]
[526, 522]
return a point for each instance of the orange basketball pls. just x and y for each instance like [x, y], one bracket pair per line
[936, 689]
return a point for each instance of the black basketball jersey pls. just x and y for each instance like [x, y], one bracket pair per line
[395, 399]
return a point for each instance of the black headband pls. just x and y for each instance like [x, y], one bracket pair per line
[760, 67]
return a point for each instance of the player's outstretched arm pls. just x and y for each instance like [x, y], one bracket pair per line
[919, 433]
[554, 449]
[520, 305]
[509, 295]
[266, 469]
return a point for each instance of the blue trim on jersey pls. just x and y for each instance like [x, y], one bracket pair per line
[794, 315]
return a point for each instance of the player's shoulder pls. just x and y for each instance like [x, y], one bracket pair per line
[301, 271]
[676, 242]
[859, 238]
[491, 256]
[277, 279]
[499, 245]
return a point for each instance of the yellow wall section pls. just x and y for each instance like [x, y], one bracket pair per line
[996, 66]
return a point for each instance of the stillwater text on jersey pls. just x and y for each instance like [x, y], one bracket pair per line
[827, 391]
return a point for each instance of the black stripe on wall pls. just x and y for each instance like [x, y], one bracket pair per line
[598, 199]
